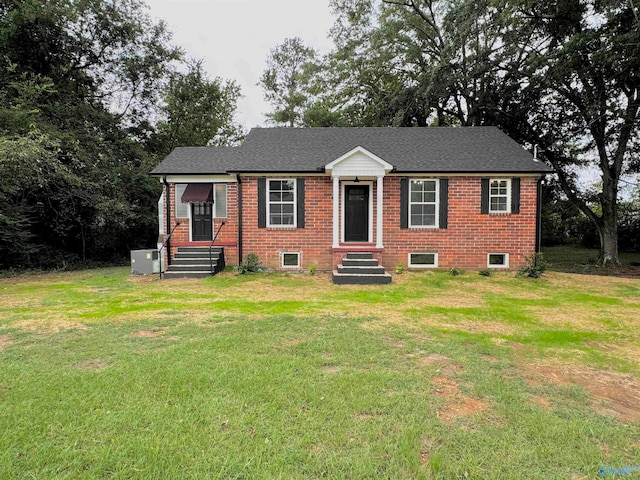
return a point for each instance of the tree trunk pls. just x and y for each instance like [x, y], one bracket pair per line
[608, 225]
[608, 232]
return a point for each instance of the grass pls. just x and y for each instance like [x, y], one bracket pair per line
[289, 376]
[573, 259]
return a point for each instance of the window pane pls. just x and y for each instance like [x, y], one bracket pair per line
[498, 204]
[423, 259]
[290, 259]
[275, 185]
[287, 208]
[416, 196]
[497, 259]
[287, 219]
[221, 200]
[275, 196]
[288, 185]
[287, 197]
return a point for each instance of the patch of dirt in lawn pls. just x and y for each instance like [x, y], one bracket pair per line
[331, 369]
[426, 448]
[596, 284]
[612, 393]
[541, 401]
[457, 403]
[367, 415]
[495, 328]
[5, 341]
[156, 332]
[143, 278]
[50, 325]
[435, 358]
[585, 317]
[92, 364]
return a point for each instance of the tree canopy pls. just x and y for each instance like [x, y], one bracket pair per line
[86, 87]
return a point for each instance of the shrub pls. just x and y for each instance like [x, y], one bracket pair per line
[535, 266]
[485, 272]
[312, 269]
[251, 264]
[454, 271]
[399, 268]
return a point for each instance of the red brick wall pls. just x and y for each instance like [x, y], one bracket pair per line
[470, 235]
[313, 242]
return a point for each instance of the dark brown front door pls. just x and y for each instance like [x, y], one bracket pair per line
[356, 213]
[201, 222]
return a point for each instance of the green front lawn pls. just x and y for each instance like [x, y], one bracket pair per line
[289, 376]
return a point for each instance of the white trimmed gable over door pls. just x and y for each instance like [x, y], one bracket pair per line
[358, 162]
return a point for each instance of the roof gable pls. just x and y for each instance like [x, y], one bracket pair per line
[358, 161]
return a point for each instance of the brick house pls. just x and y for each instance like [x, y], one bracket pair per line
[440, 197]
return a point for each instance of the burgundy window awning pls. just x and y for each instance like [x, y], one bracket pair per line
[198, 193]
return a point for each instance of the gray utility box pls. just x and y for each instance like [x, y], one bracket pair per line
[144, 262]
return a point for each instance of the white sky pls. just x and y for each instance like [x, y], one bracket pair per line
[235, 36]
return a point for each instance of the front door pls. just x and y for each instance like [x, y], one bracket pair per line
[201, 222]
[356, 213]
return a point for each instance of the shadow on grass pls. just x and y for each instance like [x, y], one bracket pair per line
[574, 259]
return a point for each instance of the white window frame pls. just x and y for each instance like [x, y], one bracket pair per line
[507, 195]
[422, 265]
[295, 203]
[216, 200]
[436, 203]
[282, 255]
[506, 260]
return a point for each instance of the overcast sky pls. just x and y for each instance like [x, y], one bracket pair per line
[235, 36]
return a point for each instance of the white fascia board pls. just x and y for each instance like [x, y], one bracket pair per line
[201, 178]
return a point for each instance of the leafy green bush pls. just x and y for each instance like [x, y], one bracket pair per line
[535, 266]
[251, 264]
[454, 271]
[485, 272]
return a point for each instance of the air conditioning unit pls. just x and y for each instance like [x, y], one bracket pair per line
[144, 262]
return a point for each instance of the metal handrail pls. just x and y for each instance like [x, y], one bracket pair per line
[164, 245]
[211, 247]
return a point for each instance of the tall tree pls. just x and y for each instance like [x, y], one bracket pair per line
[78, 73]
[562, 75]
[197, 111]
[585, 68]
[285, 80]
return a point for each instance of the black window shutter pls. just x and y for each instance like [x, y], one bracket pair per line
[300, 201]
[515, 195]
[444, 203]
[484, 194]
[404, 203]
[262, 203]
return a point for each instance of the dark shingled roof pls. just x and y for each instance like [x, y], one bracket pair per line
[410, 150]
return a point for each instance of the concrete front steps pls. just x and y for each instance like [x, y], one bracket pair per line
[360, 268]
[194, 262]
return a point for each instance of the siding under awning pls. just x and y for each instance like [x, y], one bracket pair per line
[198, 193]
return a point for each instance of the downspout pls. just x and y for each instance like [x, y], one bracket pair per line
[168, 208]
[539, 215]
[239, 221]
